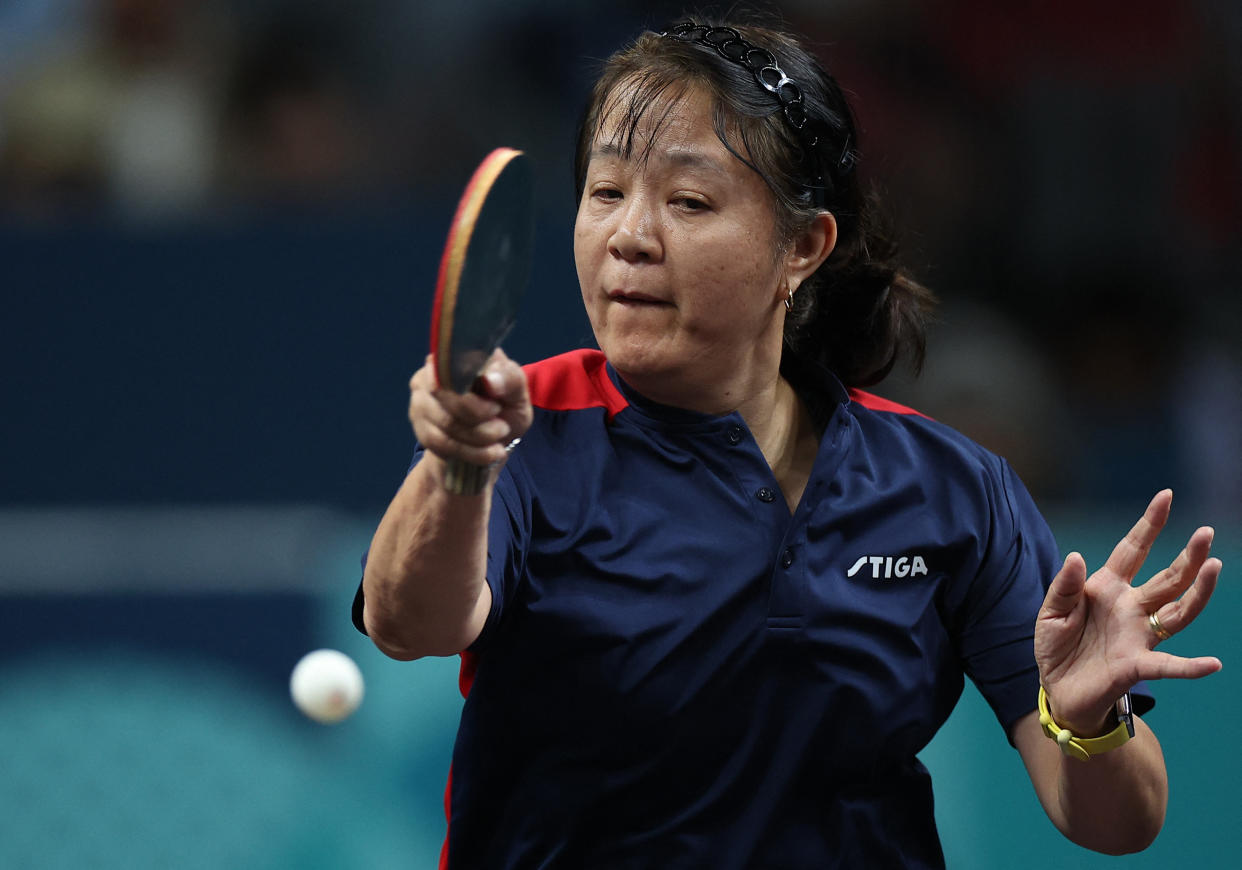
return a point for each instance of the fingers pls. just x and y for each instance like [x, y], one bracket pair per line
[1065, 591]
[1170, 583]
[471, 427]
[503, 380]
[469, 419]
[1127, 557]
[1163, 666]
[1176, 615]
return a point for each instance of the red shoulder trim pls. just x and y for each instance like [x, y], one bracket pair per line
[574, 381]
[877, 403]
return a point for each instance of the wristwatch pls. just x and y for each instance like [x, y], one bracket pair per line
[1083, 748]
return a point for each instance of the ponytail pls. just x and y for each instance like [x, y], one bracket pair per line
[860, 313]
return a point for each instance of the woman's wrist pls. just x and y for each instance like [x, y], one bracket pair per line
[1094, 721]
[1087, 726]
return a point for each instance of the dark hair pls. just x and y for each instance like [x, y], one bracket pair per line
[859, 313]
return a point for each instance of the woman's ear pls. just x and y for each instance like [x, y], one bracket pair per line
[810, 248]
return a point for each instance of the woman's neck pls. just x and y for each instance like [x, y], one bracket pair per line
[782, 427]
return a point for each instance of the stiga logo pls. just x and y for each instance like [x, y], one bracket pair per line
[888, 567]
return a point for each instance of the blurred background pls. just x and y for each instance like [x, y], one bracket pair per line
[219, 231]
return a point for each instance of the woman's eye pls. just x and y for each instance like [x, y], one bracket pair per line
[608, 194]
[689, 203]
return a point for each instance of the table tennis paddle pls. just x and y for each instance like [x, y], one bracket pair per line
[483, 275]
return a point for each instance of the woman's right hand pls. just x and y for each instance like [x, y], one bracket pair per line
[474, 427]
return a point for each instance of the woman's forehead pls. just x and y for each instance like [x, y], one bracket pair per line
[637, 123]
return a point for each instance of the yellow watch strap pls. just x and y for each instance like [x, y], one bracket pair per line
[1081, 748]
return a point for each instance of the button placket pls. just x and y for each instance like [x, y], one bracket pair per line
[754, 474]
[785, 600]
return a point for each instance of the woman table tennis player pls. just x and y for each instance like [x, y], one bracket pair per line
[718, 598]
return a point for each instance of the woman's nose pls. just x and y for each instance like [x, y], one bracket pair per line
[636, 235]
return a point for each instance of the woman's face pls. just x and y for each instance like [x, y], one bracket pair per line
[677, 254]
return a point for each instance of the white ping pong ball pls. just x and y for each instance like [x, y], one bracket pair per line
[326, 685]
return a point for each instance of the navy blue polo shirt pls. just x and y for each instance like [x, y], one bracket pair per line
[678, 673]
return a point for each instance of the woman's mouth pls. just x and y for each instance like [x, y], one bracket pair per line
[636, 299]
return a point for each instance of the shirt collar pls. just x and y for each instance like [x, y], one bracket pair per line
[822, 391]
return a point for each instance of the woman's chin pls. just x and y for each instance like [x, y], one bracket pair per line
[636, 360]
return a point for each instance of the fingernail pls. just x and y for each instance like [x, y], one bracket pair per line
[495, 381]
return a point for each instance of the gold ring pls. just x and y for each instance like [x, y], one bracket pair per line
[1154, 622]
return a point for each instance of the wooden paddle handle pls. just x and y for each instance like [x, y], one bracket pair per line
[463, 478]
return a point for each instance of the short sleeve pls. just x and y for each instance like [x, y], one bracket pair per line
[508, 537]
[997, 631]
[997, 641]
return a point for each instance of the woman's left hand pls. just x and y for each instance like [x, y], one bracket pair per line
[1093, 637]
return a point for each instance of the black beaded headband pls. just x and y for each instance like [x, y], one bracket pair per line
[763, 66]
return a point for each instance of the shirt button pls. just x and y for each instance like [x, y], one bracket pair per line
[787, 558]
[766, 495]
[735, 434]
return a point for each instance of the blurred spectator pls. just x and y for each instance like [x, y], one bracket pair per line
[124, 117]
[1118, 338]
[1010, 403]
[297, 122]
[1207, 409]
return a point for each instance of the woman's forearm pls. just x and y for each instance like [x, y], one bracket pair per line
[424, 581]
[1113, 803]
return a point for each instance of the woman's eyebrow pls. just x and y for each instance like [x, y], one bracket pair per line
[691, 158]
